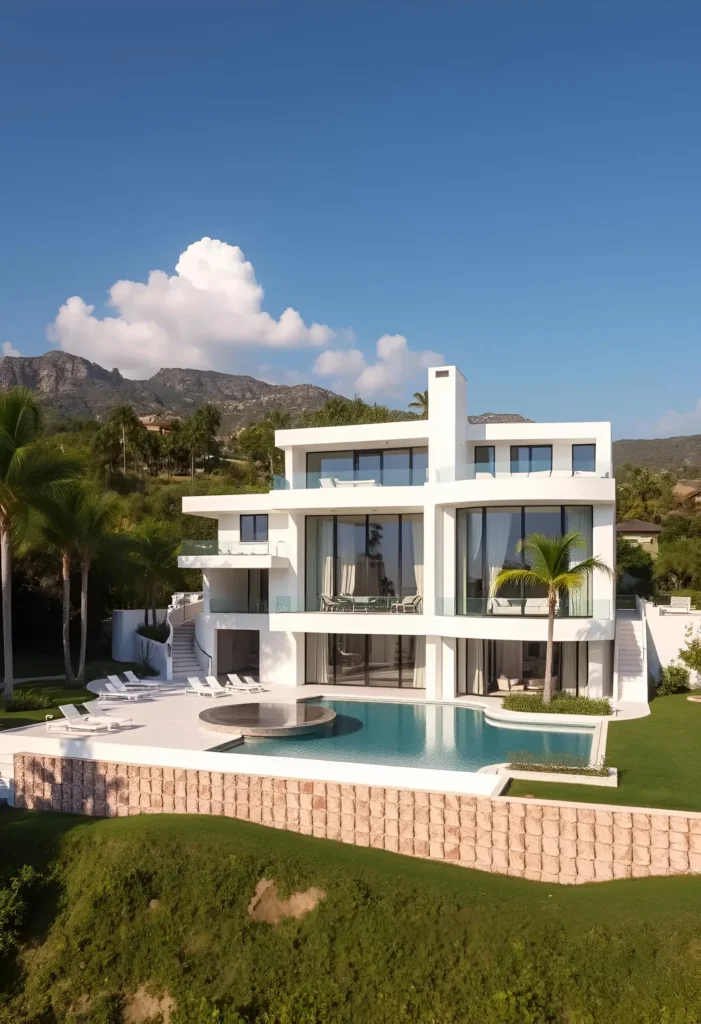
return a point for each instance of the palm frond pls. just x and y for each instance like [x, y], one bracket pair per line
[528, 577]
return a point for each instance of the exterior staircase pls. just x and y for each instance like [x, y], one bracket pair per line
[630, 663]
[185, 661]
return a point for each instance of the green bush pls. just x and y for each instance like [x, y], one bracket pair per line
[29, 700]
[571, 764]
[13, 907]
[561, 704]
[675, 679]
[158, 633]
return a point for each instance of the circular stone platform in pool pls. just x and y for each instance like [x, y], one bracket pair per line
[269, 720]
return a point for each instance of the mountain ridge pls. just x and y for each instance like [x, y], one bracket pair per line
[75, 386]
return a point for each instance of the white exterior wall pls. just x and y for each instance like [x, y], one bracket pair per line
[666, 635]
[450, 439]
[125, 622]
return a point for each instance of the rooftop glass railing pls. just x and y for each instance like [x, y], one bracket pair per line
[471, 471]
[228, 605]
[215, 547]
[352, 478]
[524, 607]
[353, 604]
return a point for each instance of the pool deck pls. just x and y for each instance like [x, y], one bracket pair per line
[166, 730]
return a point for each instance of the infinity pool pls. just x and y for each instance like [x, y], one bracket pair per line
[419, 736]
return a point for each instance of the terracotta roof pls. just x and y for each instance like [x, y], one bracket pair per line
[637, 526]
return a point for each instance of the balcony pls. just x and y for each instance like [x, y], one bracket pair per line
[215, 554]
[340, 478]
[237, 606]
[522, 607]
[352, 604]
[472, 471]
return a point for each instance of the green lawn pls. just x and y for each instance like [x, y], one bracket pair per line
[60, 693]
[659, 758]
[161, 902]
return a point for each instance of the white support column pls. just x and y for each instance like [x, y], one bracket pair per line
[447, 417]
[449, 654]
[600, 668]
[433, 668]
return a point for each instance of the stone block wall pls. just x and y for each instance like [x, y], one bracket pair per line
[545, 841]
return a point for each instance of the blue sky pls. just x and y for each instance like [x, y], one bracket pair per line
[513, 186]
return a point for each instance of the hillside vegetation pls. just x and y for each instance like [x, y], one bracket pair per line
[147, 918]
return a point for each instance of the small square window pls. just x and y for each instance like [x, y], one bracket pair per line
[254, 529]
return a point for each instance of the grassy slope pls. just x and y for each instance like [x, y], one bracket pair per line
[659, 758]
[396, 939]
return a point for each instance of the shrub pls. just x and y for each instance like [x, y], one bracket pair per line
[571, 764]
[561, 704]
[13, 906]
[29, 700]
[675, 679]
[158, 633]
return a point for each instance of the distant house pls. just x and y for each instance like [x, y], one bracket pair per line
[688, 493]
[637, 531]
[157, 424]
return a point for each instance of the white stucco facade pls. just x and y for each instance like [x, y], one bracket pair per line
[452, 468]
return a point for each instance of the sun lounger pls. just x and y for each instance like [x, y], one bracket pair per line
[245, 685]
[215, 685]
[132, 680]
[117, 683]
[198, 688]
[73, 721]
[113, 692]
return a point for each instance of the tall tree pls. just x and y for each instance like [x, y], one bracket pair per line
[153, 556]
[32, 472]
[420, 403]
[95, 514]
[550, 565]
[643, 493]
[199, 434]
[124, 419]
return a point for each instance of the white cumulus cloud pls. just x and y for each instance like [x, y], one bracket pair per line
[8, 349]
[210, 308]
[395, 369]
[676, 424]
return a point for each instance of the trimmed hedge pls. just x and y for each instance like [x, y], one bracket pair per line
[675, 679]
[561, 704]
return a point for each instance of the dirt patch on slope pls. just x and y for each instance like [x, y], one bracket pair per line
[267, 906]
[143, 1006]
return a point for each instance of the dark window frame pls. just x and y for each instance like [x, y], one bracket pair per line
[483, 510]
[368, 516]
[333, 664]
[492, 462]
[584, 444]
[255, 516]
[515, 447]
[356, 452]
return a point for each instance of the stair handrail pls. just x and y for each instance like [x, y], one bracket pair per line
[208, 656]
[640, 608]
[178, 609]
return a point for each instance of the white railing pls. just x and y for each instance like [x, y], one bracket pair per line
[195, 548]
[470, 471]
[184, 606]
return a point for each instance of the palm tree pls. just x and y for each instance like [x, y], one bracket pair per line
[94, 517]
[124, 419]
[32, 472]
[550, 565]
[153, 555]
[58, 532]
[420, 403]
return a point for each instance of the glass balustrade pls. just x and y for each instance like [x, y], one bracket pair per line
[523, 607]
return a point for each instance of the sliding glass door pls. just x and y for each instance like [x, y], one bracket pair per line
[356, 659]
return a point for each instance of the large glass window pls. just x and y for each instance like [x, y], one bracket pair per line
[391, 467]
[369, 563]
[358, 659]
[487, 542]
[531, 458]
[254, 528]
[583, 458]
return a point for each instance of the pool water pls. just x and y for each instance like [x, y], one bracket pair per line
[419, 736]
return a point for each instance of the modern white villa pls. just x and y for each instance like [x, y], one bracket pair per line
[370, 563]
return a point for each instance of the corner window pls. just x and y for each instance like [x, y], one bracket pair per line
[583, 458]
[531, 458]
[484, 459]
[254, 528]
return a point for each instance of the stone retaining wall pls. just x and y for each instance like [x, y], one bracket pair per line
[545, 841]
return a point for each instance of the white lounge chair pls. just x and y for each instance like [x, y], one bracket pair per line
[73, 721]
[124, 687]
[132, 680]
[215, 685]
[114, 693]
[245, 685]
[198, 689]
